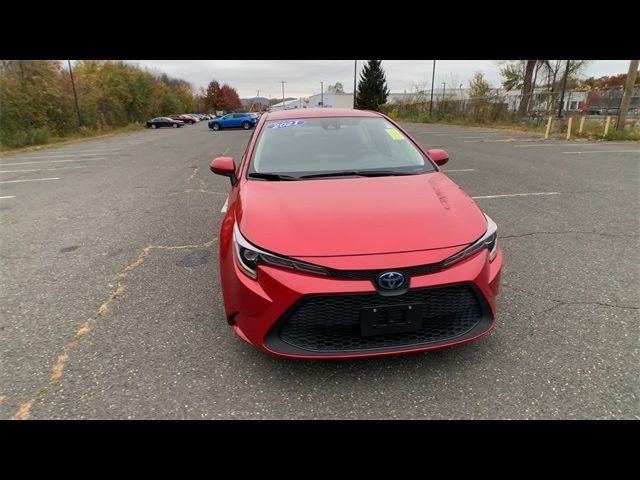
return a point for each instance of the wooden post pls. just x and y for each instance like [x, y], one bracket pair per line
[581, 125]
[606, 125]
[546, 135]
[569, 128]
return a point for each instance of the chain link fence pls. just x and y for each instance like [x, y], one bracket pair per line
[504, 108]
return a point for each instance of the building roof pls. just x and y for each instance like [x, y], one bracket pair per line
[318, 112]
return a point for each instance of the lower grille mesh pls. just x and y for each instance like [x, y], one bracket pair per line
[332, 322]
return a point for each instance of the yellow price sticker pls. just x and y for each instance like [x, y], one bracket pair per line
[394, 133]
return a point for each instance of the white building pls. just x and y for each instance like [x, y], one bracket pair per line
[331, 100]
[289, 104]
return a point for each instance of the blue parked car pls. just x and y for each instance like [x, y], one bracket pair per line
[230, 120]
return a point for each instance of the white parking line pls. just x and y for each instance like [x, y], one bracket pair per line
[31, 180]
[517, 195]
[603, 151]
[85, 150]
[585, 144]
[224, 207]
[59, 156]
[53, 161]
[460, 170]
[8, 196]
[41, 169]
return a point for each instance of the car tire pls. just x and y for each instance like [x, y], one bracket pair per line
[153, 125]
[175, 125]
[215, 127]
[246, 125]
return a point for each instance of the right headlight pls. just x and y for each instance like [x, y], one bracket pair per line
[489, 240]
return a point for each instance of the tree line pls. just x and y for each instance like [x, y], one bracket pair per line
[37, 100]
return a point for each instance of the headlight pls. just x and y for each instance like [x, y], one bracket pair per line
[250, 256]
[488, 240]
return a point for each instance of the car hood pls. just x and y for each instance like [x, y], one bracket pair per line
[357, 216]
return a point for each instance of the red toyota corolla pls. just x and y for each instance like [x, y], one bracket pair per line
[343, 238]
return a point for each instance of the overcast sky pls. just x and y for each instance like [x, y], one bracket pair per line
[303, 77]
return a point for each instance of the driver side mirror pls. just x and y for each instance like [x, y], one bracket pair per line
[438, 155]
[226, 167]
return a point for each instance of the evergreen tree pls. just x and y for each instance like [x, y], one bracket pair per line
[372, 88]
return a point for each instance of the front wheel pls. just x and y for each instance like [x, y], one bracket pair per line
[246, 125]
[215, 126]
[175, 125]
[153, 125]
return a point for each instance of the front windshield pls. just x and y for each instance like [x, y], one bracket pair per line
[335, 144]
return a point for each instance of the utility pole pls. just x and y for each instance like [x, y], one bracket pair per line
[433, 77]
[564, 86]
[283, 82]
[628, 93]
[321, 94]
[355, 72]
[75, 95]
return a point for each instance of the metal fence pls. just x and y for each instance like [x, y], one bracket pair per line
[534, 108]
[488, 109]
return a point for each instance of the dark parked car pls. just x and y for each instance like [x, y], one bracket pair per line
[164, 122]
[595, 111]
[613, 111]
[230, 120]
[183, 118]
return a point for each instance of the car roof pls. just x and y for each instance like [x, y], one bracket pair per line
[318, 113]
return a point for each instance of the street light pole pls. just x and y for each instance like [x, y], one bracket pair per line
[433, 76]
[75, 95]
[321, 94]
[283, 82]
[355, 72]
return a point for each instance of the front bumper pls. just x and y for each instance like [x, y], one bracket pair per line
[459, 307]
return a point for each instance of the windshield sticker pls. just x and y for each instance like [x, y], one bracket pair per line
[394, 133]
[290, 123]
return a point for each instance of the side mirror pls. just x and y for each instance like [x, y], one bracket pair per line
[224, 166]
[438, 155]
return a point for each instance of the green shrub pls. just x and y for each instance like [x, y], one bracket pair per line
[39, 136]
[626, 134]
[24, 138]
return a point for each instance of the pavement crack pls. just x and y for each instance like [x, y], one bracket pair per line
[58, 368]
[562, 301]
[191, 190]
[565, 232]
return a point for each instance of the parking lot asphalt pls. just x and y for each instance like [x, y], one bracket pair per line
[110, 305]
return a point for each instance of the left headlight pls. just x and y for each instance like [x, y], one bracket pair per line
[489, 240]
[249, 257]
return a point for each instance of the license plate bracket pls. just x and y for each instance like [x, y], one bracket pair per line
[390, 319]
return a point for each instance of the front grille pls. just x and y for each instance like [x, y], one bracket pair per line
[324, 324]
[372, 274]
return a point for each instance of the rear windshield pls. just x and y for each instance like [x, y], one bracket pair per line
[317, 145]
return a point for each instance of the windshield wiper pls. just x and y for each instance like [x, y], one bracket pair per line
[271, 176]
[359, 173]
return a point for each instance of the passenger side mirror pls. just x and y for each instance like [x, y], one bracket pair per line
[438, 155]
[226, 167]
